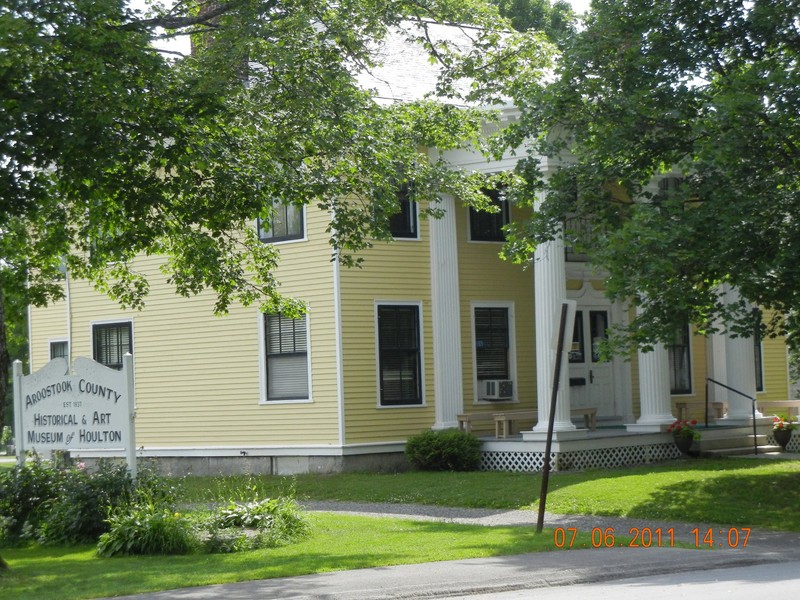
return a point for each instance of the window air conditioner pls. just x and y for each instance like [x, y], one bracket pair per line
[497, 389]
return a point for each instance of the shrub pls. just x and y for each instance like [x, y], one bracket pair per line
[77, 514]
[56, 502]
[271, 522]
[24, 493]
[5, 437]
[444, 450]
[147, 529]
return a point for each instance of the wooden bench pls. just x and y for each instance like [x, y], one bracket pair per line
[504, 421]
[589, 414]
[465, 421]
[790, 407]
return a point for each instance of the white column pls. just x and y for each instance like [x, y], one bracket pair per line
[550, 291]
[717, 369]
[446, 318]
[740, 368]
[654, 395]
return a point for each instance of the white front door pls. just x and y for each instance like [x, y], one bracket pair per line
[591, 379]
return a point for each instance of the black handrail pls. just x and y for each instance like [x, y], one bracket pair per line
[735, 391]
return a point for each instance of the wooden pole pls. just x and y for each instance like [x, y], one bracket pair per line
[552, 416]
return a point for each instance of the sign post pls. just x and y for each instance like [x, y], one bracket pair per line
[90, 408]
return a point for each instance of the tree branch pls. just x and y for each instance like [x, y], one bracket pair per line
[181, 22]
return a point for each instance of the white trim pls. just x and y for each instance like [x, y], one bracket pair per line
[262, 365]
[68, 301]
[51, 341]
[254, 451]
[512, 349]
[30, 346]
[420, 324]
[337, 324]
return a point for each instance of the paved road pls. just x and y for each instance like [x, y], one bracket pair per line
[744, 583]
[515, 574]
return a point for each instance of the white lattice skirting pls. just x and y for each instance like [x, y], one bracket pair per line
[792, 446]
[581, 459]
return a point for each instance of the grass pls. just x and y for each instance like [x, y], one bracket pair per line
[731, 491]
[743, 492]
[338, 542]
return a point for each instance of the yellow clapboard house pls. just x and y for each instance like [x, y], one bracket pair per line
[435, 331]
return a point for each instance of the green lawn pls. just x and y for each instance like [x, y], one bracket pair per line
[744, 492]
[337, 542]
[732, 491]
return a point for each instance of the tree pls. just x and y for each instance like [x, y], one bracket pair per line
[708, 93]
[556, 19]
[111, 149]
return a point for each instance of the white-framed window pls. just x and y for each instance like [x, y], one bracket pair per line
[399, 343]
[494, 348]
[286, 368]
[111, 341]
[59, 349]
[680, 362]
[287, 223]
[488, 226]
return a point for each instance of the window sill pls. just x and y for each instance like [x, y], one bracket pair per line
[298, 401]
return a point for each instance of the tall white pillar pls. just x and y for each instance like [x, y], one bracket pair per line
[655, 400]
[740, 368]
[549, 293]
[445, 315]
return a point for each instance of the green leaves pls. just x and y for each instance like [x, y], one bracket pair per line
[707, 91]
[110, 151]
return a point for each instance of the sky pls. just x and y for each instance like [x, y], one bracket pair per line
[580, 6]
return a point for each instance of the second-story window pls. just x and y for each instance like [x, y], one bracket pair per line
[488, 226]
[286, 224]
[403, 224]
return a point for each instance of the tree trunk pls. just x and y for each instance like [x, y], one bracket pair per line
[5, 365]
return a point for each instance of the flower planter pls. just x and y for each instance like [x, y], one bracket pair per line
[782, 437]
[684, 444]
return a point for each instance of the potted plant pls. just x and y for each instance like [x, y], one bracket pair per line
[684, 433]
[782, 428]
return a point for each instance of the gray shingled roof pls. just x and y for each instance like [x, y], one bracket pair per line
[406, 72]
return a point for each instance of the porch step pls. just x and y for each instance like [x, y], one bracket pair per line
[738, 451]
[708, 443]
[734, 442]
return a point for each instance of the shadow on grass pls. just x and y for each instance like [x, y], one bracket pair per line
[767, 500]
[746, 492]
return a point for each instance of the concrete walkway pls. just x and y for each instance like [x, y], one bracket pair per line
[507, 573]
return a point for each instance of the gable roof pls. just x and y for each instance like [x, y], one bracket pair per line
[405, 72]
